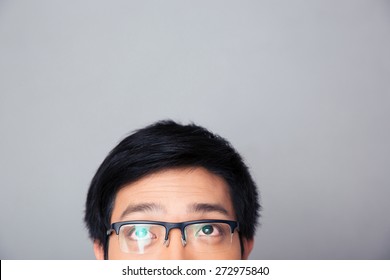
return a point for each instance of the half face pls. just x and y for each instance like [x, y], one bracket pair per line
[174, 196]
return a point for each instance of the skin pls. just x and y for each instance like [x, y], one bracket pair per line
[173, 195]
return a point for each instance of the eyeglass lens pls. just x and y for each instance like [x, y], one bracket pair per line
[149, 238]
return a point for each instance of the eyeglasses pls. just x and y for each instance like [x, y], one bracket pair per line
[143, 237]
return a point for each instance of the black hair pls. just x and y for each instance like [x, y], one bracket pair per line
[167, 145]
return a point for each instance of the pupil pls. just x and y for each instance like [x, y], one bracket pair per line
[207, 229]
[142, 232]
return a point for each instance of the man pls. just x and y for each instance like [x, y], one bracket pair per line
[172, 191]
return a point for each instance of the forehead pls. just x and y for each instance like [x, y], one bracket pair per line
[173, 194]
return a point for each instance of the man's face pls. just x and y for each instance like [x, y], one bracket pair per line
[175, 195]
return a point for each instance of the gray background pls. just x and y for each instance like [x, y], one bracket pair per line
[300, 88]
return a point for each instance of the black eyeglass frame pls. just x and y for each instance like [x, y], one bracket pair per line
[115, 227]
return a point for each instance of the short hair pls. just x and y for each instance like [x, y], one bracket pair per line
[167, 145]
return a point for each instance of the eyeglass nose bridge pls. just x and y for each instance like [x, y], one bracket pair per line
[169, 227]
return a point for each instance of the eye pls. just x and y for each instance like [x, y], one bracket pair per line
[209, 230]
[140, 233]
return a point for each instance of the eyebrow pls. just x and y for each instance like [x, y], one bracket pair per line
[207, 208]
[153, 207]
[142, 207]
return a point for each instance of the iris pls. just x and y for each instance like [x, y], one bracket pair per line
[208, 229]
[141, 232]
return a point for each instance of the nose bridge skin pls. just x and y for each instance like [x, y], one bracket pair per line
[174, 248]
